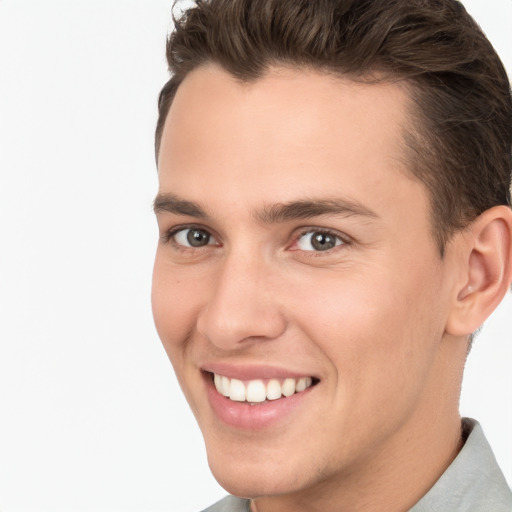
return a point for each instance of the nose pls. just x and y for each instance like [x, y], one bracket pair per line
[242, 305]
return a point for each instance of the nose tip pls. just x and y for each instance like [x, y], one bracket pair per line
[228, 329]
[240, 309]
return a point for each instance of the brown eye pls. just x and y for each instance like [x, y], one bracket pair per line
[318, 241]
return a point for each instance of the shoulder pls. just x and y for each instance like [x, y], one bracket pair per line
[473, 482]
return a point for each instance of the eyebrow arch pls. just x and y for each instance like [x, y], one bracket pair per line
[169, 203]
[305, 209]
[272, 214]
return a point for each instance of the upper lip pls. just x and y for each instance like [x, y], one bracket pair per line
[252, 371]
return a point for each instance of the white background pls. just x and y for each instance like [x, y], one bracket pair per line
[91, 417]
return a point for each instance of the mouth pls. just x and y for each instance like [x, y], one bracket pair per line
[255, 398]
[259, 391]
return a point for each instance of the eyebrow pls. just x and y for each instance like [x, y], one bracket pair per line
[271, 214]
[305, 209]
[169, 203]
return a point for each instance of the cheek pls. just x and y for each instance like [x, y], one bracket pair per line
[374, 328]
[173, 301]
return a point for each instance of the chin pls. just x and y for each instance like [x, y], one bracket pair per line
[253, 480]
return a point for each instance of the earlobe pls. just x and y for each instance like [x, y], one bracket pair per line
[488, 263]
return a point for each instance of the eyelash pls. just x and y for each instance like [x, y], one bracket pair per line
[344, 240]
[168, 238]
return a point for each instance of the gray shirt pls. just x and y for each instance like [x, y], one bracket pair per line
[472, 483]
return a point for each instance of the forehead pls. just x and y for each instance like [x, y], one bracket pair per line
[276, 136]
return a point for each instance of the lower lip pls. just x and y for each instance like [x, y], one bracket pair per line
[243, 415]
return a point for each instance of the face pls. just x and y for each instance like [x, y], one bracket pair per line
[297, 288]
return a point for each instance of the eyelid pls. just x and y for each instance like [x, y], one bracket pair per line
[345, 239]
[168, 236]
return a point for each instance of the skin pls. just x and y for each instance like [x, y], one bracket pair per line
[374, 318]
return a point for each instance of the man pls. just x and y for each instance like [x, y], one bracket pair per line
[335, 223]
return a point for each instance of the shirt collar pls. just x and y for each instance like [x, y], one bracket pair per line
[472, 482]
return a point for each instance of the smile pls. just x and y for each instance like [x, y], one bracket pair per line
[257, 398]
[260, 390]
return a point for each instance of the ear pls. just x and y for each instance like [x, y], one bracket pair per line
[487, 263]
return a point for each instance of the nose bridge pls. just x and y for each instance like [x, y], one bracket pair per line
[242, 304]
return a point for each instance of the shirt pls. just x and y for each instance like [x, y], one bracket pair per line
[472, 483]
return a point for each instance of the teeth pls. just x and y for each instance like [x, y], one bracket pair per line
[217, 380]
[225, 386]
[256, 391]
[289, 387]
[274, 390]
[237, 390]
[302, 384]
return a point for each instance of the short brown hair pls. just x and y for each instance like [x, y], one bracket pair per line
[459, 145]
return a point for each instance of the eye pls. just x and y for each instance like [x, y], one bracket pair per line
[318, 241]
[192, 237]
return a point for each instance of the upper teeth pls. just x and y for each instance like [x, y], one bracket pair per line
[256, 390]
